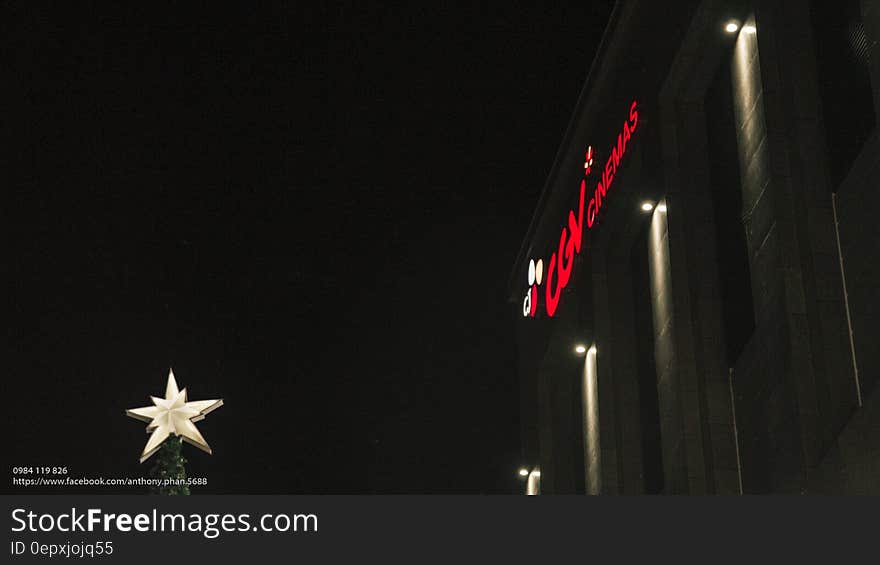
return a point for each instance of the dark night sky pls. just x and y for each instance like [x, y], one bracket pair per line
[312, 214]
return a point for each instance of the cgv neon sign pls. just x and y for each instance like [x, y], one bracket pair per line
[571, 238]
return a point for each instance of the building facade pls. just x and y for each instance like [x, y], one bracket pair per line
[696, 298]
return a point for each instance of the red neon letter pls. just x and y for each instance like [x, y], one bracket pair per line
[609, 173]
[576, 225]
[592, 210]
[616, 153]
[633, 117]
[565, 259]
[621, 149]
[599, 195]
[534, 301]
[551, 298]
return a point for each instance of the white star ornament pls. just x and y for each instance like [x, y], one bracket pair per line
[173, 415]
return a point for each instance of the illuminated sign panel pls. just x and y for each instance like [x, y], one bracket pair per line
[571, 238]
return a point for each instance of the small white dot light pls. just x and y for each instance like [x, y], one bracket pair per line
[531, 272]
[580, 349]
[647, 206]
[661, 207]
[523, 472]
[539, 271]
[751, 30]
[731, 27]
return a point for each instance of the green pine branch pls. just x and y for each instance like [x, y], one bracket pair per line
[170, 464]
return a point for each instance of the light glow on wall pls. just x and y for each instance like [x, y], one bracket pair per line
[533, 485]
[590, 399]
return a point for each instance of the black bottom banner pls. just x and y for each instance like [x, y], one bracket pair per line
[407, 529]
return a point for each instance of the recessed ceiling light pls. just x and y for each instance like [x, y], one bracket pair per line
[731, 27]
[751, 30]
[661, 207]
[580, 349]
[523, 472]
[647, 206]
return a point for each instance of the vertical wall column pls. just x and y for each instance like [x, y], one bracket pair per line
[622, 373]
[700, 337]
[602, 334]
[710, 458]
[765, 374]
[871, 19]
[857, 203]
[546, 444]
[668, 386]
[798, 178]
[617, 380]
